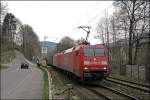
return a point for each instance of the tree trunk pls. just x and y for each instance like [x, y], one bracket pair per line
[130, 43]
[131, 33]
[136, 51]
[147, 64]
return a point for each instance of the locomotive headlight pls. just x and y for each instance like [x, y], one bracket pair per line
[104, 68]
[86, 62]
[85, 68]
[104, 62]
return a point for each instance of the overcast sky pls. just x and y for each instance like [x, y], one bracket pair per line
[56, 19]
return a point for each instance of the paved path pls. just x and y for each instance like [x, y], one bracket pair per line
[19, 83]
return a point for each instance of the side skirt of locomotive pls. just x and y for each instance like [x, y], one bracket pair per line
[70, 75]
[87, 77]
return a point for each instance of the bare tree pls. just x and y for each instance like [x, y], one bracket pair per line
[82, 41]
[3, 10]
[126, 29]
[65, 43]
[141, 28]
[103, 29]
[147, 63]
[133, 11]
[8, 30]
[30, 45]
[100, 31]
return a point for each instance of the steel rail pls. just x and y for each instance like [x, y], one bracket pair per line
[79, 91]
[118, 92]
[100, 94]
[144, 85]
[131, 85]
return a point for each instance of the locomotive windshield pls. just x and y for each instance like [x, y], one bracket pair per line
[88, 52]
[93, 52]
[99, 52]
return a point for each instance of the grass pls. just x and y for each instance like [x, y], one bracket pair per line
[45, 95]
[3, 67]
[59, 85]
[57, 82]
[7, 57]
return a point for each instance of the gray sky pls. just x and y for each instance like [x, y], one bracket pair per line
[56, 19]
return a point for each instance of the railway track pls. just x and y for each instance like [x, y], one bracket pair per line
[105, 90]
[110, 94]
[100, 94]
[145, 85]
[137, 86]
[79, 90]
[118, 92]
[85, 93]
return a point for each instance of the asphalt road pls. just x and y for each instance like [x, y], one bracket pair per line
[19, 83]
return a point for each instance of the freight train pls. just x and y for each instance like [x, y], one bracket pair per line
[84, 61]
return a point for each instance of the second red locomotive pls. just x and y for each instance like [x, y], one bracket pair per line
[84, 61]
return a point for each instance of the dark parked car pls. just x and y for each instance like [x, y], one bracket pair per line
[24, 65]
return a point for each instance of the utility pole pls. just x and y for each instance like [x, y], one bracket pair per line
[44, 45]
[45, 38]
[87, 29]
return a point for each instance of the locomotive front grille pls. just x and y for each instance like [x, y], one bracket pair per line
[93, 74]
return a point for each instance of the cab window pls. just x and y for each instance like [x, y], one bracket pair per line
[88, 52]
[99, 52]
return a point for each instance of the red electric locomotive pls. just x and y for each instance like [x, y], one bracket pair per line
[84, 61]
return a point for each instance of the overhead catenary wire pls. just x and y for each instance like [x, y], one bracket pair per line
[99, 14]
[83, 17]
[87, 14]
[89, 11]
[93, 17]
[96, 15]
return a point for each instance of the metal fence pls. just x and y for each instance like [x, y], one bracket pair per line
[135, 71]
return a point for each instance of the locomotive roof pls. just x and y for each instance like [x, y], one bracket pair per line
[80, 46]
[83, 46]
[94, 46]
